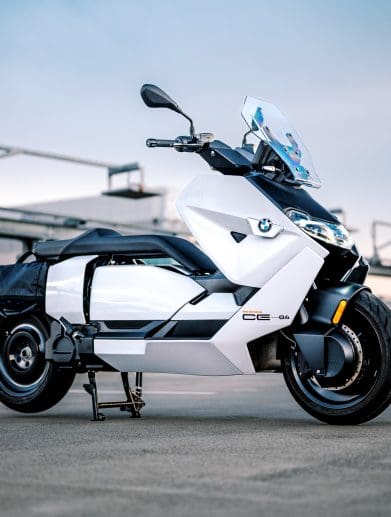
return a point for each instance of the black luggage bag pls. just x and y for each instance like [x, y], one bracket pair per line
[22, 286]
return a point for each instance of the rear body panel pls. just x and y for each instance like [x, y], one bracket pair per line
[139, 292]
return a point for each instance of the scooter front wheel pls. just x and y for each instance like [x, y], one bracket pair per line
[28, 383]
[366, 391]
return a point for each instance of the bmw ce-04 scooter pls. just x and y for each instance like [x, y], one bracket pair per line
[275, 284]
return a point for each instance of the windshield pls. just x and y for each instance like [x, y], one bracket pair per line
[270, 125]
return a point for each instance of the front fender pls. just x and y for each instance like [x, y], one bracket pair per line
[323, 303]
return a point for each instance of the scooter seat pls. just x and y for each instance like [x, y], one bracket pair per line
[102, 241]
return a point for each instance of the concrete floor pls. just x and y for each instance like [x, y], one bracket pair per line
[236, 446]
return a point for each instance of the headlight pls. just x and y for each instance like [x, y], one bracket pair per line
[332, 233]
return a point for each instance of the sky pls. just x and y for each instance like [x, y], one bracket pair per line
[71, 72]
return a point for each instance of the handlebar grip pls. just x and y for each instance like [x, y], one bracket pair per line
[155, 142]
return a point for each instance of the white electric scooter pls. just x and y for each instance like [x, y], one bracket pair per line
[278, 285]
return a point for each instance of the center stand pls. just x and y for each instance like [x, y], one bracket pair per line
[132, 404]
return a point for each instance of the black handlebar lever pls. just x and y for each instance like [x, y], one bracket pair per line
[182, 144]
[187, 144]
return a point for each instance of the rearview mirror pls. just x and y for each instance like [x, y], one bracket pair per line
[154, 97]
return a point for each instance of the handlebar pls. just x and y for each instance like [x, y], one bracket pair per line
[156, 142]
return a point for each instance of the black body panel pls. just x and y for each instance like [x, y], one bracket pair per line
[128, 329]
[336, 266]
[359, 273]
[223, 158]
[164, 330]
[218, 283]
[102, 241]
[287, 196]
[189, 329]
[322, 303]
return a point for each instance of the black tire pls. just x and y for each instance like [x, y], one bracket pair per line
[370, 392]
[28, 383]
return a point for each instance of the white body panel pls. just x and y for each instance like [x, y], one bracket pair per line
[281, 296]
[139, 293]
[199, 357]
[120, 347]
[214, 205]
[282, 264]
[226, 353]
[64, 289]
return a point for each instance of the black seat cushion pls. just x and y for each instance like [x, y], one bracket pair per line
[103, 241]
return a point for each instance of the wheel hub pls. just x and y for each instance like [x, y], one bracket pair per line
[349, 374]
[25, 359]
[22, 349]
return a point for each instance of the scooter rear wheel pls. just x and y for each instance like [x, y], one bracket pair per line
[28, 383]
[367, 391]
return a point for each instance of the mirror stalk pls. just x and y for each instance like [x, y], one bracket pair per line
[192, 130]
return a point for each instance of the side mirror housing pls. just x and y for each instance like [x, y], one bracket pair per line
[155, 97]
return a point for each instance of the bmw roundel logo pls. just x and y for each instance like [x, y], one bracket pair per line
[265, 225]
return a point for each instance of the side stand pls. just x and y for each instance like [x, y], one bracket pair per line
[133, 403]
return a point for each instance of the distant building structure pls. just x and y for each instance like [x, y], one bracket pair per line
[21, 227]
[131, 209]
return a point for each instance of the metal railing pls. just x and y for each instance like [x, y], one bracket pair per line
[113, 169]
